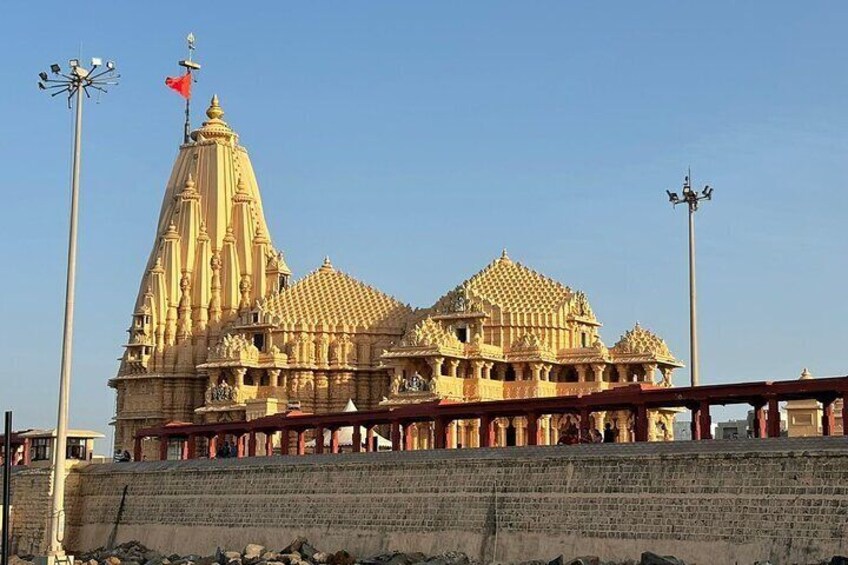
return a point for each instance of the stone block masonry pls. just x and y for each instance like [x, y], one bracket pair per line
[707, 502]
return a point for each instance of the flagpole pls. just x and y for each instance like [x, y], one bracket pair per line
[189, 66]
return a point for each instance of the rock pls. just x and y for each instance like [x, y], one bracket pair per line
[208, 560]
[585, 560]
[341, 557]
[230, 555]
[111, 560]
[839, 560]
[307, 550]
[649, 558]
[269, 556]
[253, 551]
[294, 546]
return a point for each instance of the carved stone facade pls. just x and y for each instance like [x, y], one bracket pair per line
[220, 334]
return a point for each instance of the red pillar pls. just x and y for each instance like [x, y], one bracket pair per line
[585, 414]
[184, 448]
[301, 442]
[269, 442]
[369, 439]
[845, 413]
[284, 442]
[773, 417]
[760, 429]
[487, 434]
[695, 423]
[163, 448]
[137, 449]
[641, 424]
[212, 446]
[407, 437]
[251, 444]
[439, 433]
[357, 438]
[705, 421]
[191, 449]
[334, 440]
[828, 417]
[532, 428]
[395, 436]
[319, 440]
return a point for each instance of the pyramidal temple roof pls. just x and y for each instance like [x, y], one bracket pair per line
[329, 295]
[515, 288]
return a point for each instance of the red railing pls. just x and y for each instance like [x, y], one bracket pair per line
[637, 399]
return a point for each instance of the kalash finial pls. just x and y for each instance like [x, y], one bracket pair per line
[327, 266]
[214, 111]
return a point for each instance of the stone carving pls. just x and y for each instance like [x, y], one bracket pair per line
[429, 332]
[222, 392]
[415, 383]
[527, 342]
[234, 347]
[580, 305]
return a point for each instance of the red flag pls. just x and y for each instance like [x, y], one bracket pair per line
[182, 84]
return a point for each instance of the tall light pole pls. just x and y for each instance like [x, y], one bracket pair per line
[75, 83]
[691, 198]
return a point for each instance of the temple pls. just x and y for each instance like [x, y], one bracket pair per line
[220, 333]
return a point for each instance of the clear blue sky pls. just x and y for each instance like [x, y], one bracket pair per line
[412, 141]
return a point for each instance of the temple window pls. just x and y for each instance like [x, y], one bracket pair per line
[510, 373]
[259, 340]
[255, 317]
[569, 375]
[584, 340]
[264, 379]
[462, 334]
[248, 379]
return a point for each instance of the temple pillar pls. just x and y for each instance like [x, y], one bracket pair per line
[251, 444]
[598, 371]
[214, 376]
[300, 442]
[584, 424]
[623, 373]
[435, 366]
[191, 447]
[409, 437]
[582, 373]
[212, 447]
[269, 442]
[274, 377]
[500, 372]
[137, 449]
[238, 376]
[319, 440]
[396, 438]
[705, 421]
[439, 433]
[650, 371]
[640, 425]
[369, 439]
[477, 366]
[334, 440]
[536, 371]
[453, 364]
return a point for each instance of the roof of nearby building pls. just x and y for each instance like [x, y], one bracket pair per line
[81, 434]
[329, 295]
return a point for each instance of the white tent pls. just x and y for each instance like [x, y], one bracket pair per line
[346, 435]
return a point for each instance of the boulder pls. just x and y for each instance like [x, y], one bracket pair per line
[295, 545]
[269, 556]
[307, 551]
[649, 558]
[839, 560]
[585, 560]
[111, 560]
[341, 557]
[230, 555]
[253, 551]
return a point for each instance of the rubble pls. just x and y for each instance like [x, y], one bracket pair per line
[300, 552]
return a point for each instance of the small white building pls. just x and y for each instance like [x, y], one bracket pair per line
[39, 446]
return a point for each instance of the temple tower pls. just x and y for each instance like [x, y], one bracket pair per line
[212, 257]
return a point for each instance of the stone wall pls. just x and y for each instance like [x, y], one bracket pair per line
[708, 502]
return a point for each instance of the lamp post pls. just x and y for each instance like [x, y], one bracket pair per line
[75, 83]
[691, 198]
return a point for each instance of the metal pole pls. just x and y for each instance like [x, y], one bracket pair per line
[693, 316]
[7, 489]
[57, 523]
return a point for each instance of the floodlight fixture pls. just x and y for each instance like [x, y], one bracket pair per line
[55, 69]
[74, 63]
[110, 65]
[96, 61]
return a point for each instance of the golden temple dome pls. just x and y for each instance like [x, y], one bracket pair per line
[331, 296]
[514, 288]
[642, 342]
